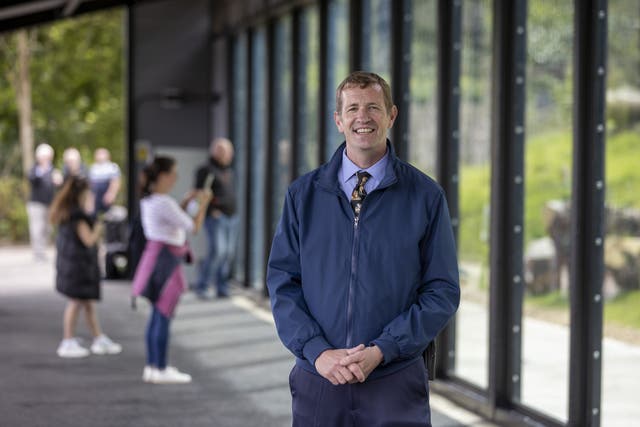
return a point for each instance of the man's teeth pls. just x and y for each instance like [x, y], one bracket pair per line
[364, 130]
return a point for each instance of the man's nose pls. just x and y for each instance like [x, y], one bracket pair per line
[362, 114]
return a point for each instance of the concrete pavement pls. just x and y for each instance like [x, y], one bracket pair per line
[230, 347]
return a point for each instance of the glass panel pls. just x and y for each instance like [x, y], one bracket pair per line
[548, 158]
[621, 345]
[424, 54]
[258, 155]
[377, 42]
[472, 321]
[338, 66]
[308, 102]
[239, 130]
[282, 117]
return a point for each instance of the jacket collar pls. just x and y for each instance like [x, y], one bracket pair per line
[328, 174]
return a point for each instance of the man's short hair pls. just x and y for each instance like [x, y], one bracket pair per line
[364, 79]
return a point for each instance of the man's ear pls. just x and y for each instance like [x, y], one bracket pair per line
[338, 119]
[392, 116]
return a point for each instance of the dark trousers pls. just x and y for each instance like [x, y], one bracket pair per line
[400, 399]
[157, 339]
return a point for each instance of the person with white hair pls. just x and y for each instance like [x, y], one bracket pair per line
[43, 180]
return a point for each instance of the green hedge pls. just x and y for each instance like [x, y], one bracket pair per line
[14, 226]
[548, 176]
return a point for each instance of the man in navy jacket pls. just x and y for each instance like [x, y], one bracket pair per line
[362, 274]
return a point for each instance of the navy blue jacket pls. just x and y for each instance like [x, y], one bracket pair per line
[390, 279]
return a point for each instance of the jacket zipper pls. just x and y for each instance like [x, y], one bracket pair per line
[353, 277]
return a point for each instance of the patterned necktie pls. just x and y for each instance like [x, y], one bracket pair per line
[359, 193]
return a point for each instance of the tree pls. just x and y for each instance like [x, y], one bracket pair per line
[22, 83]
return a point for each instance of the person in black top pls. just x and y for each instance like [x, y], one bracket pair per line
[43, 180]
[77, 271]
[221, 222]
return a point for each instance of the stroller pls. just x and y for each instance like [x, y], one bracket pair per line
[116, 242]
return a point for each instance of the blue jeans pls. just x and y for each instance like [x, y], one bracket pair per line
[157, 339]
[222, 234]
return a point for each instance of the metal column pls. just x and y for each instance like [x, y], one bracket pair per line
[400, 73]
[507, 200]
[357, 38]
[449, 53]
[132, 160]
[323, 113]
[269, 161]
[248, 166]
[298, 89]
[587, 213]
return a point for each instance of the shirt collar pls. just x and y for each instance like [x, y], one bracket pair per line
[349, 169]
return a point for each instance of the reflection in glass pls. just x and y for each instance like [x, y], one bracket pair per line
[338, 66]
[239, 135]
[422, 120]
[472, 320]
[258, 154]
[548, 157]
[282, 117]
[621, 288]
[308, 101]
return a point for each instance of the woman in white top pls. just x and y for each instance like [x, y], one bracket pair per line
[159, 275]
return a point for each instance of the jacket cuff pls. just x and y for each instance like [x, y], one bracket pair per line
[314, 347]
[388, 346]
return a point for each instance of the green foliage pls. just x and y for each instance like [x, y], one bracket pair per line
[548, 177]
[13, 213]
[623, 175]
[78, 87]
[551, 300]
[623, 58]
[474, 212]
[623, 310]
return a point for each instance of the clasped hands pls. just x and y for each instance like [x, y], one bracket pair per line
[348, 365]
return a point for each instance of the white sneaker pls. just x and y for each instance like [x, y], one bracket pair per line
[71, 348]
[169, 375]
[147, 373]
[103, 345]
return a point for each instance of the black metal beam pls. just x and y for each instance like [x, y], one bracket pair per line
[132, 173]
[356, 36]
[401, 19]
[298, 89]
[449, 52]
[231, 79]
[29, 13]
[507, 200]
[323, 113]
[587, 213]
[270, 147]
[248, 241]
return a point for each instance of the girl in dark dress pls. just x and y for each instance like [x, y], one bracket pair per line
[77, 270]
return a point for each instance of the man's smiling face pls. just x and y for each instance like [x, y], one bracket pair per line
[364, 119]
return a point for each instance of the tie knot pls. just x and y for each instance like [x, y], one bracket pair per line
[363, 176]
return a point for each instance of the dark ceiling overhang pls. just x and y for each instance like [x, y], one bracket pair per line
[15, 14]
